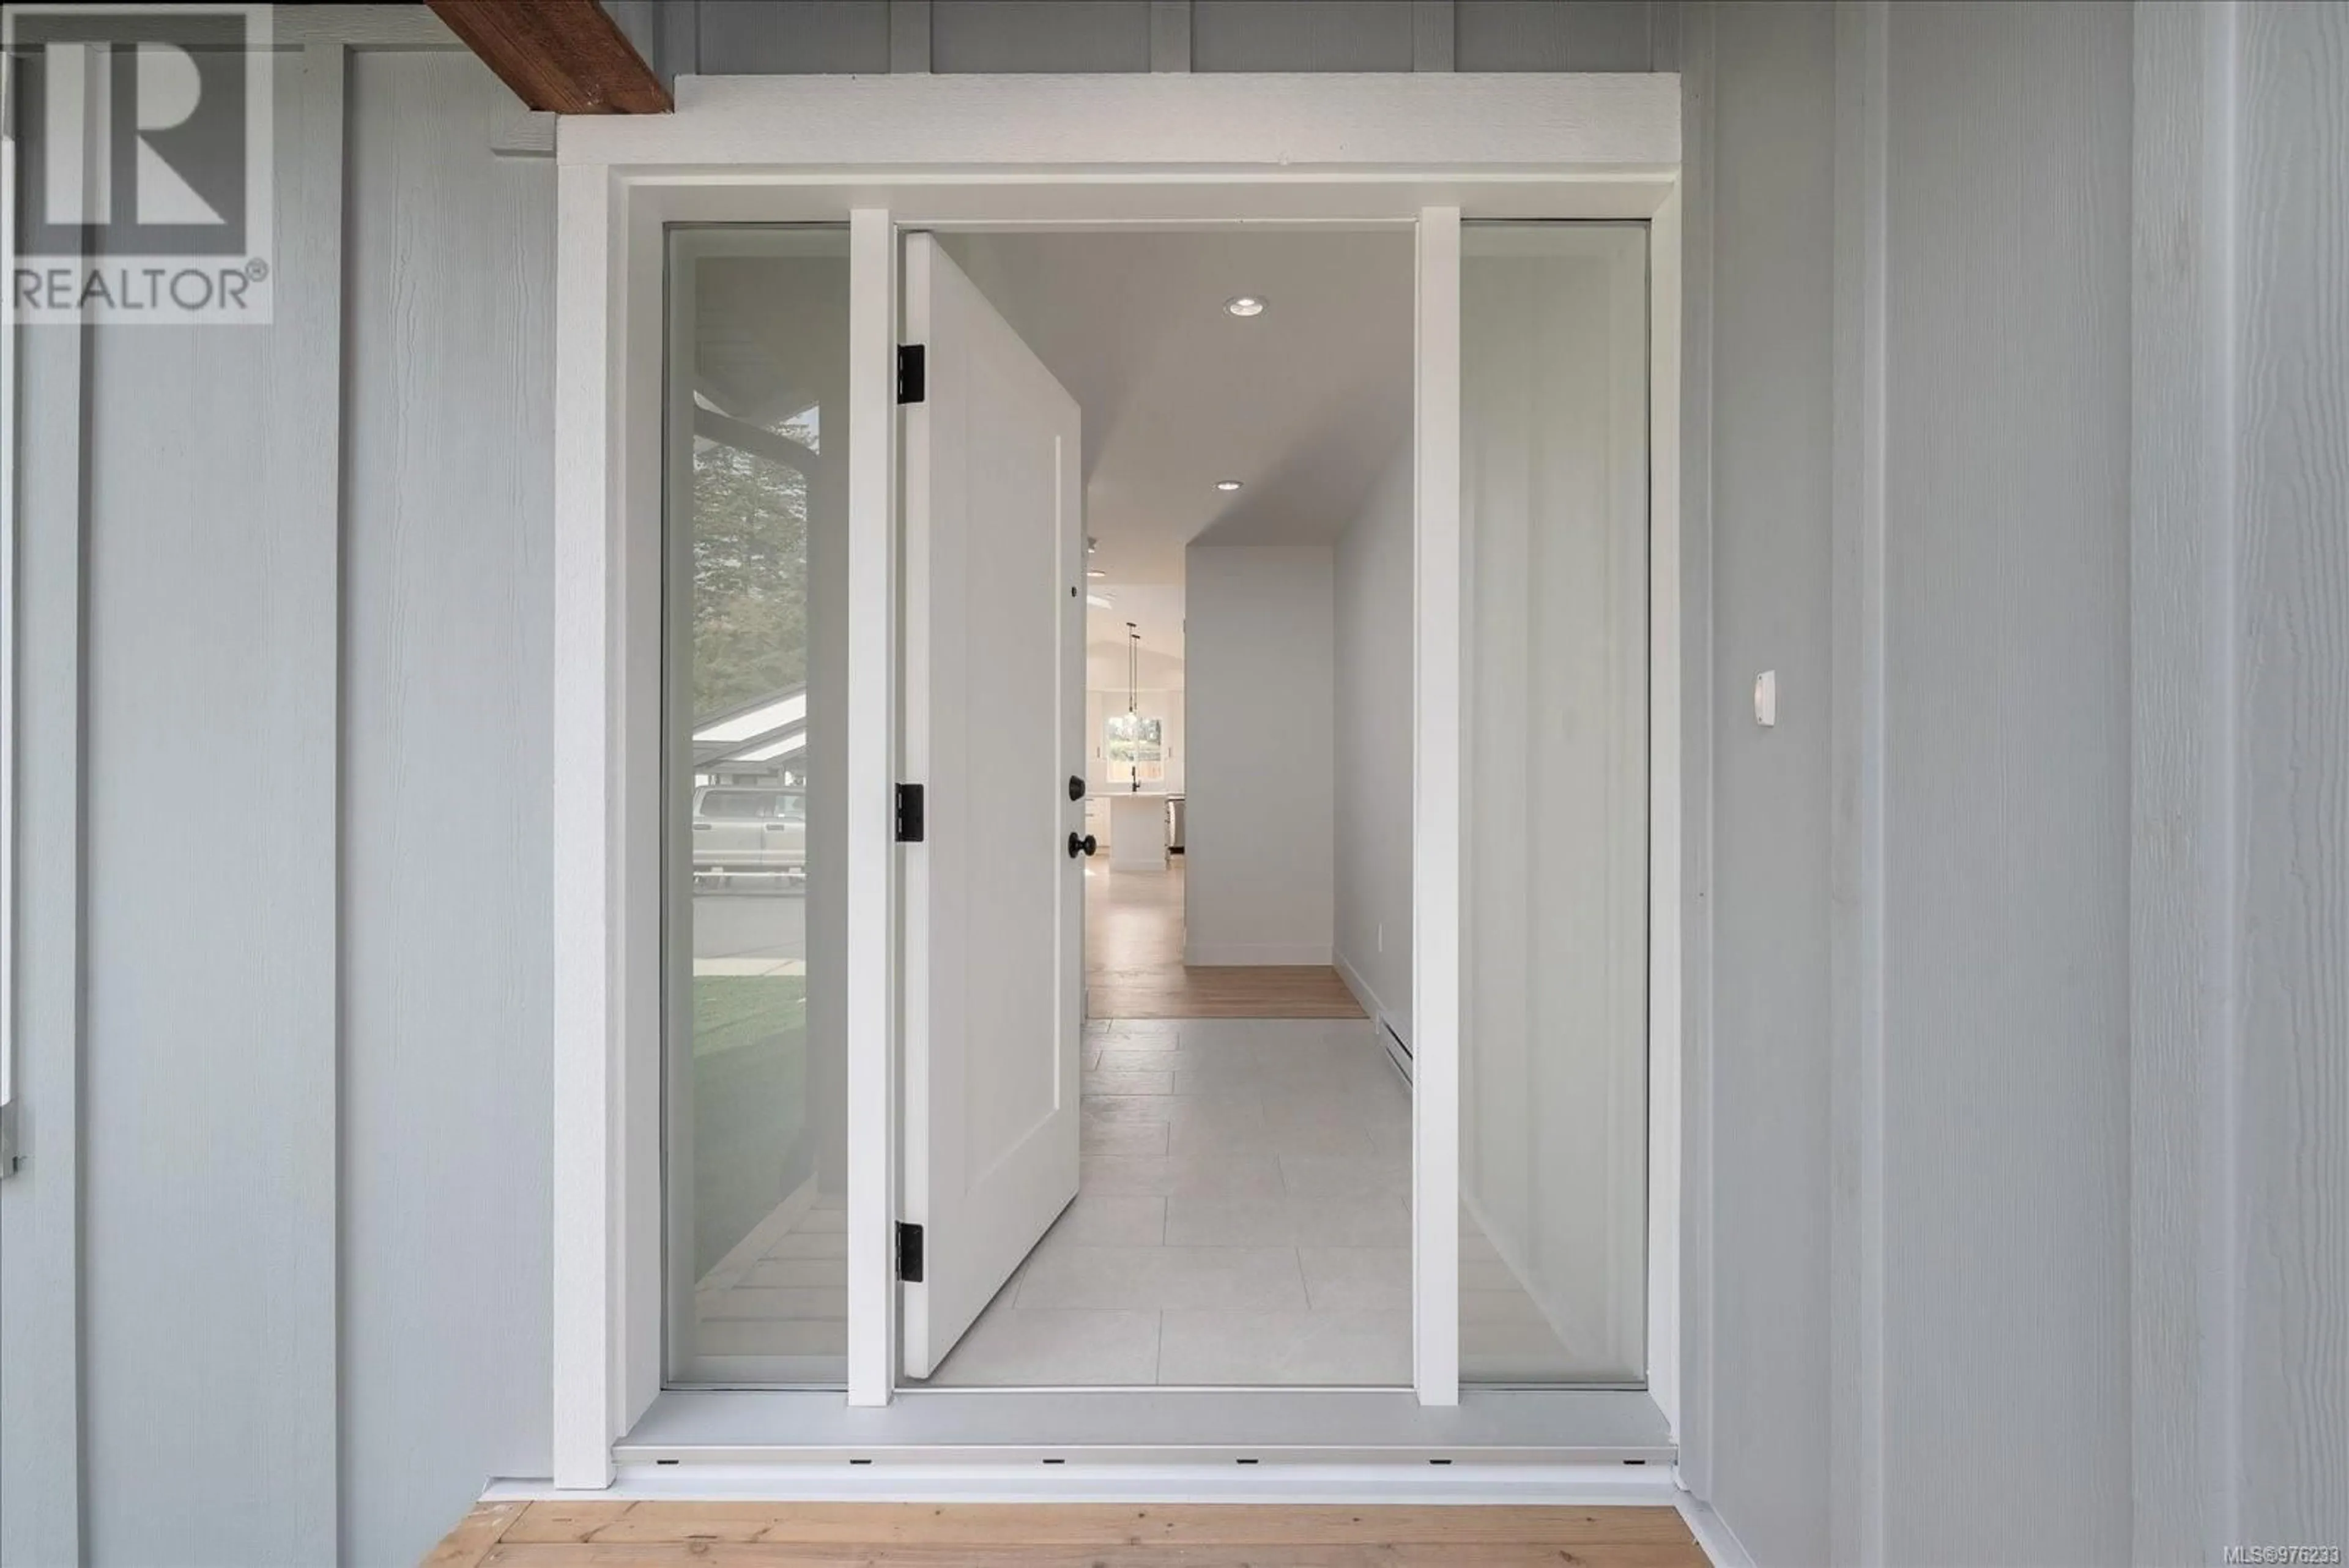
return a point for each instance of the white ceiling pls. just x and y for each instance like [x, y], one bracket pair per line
[1304, 404]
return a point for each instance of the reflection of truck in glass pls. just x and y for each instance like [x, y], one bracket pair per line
[750, 837]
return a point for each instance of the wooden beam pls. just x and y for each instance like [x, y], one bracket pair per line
[567, 56]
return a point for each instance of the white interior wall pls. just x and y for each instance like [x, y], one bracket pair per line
[1259, 699]
[1372, 782]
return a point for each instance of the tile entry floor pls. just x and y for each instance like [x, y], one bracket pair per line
[1243, 1218]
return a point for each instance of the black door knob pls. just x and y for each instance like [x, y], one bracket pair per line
[1076, 787]
[1080, 843]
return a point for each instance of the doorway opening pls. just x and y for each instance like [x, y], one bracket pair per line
[1226, 1199]
[1158, 912]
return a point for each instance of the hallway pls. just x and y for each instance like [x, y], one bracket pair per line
[1134, 969]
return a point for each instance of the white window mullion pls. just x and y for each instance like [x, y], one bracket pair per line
[871, 722]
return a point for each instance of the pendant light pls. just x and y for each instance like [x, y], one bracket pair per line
[1134, 704]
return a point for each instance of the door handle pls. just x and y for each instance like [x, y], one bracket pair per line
[1080, 843]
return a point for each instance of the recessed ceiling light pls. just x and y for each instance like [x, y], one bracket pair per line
[1245, 304]
[1101, 601]
[1095, 572]
[1228, 484]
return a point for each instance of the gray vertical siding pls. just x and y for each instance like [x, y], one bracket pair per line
[2290, 627]
[1542, 35]
[1772, 151]
[808, 38]
[2115, 665]
[208, 1057]
[446, 914]
[305, 1317]
[977, 36]
[40, 1204]
[2006, 776]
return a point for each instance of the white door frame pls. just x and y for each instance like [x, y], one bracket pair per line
[944, 151]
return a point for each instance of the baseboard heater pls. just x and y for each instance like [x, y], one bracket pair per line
[1398, 1048]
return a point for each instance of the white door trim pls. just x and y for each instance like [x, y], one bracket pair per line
[879, 153]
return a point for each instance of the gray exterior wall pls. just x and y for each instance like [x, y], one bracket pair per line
[301, 1316]
[1763, 76]
[2004, 754]
[2240, 853]
[2026, 1077]
[801, 37]
[209, 1052]
[273, 1281]
[446, 915]
[2289, 428]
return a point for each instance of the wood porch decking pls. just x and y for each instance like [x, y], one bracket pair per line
[601, 1534]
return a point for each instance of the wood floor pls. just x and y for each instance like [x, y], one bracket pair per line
[596, 1534]
[1134, 968]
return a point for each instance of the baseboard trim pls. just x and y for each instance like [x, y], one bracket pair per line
[1255, 955]
[1399, 1026]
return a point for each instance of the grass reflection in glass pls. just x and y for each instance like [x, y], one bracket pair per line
[750, 1104]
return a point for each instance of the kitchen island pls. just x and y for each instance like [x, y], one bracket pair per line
[1137, 829]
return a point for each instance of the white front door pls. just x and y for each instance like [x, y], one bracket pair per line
[994, 721]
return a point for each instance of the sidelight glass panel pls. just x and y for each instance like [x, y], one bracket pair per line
[1554, 464]
[755, 513]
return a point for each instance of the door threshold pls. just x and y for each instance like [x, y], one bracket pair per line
[1616, 1433]
[1389, 1485]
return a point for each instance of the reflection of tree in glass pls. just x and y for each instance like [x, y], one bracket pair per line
[749, 575]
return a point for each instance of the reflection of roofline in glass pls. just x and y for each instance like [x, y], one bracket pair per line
[749, 720]
[773, 750]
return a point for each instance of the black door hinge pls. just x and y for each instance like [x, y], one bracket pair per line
[913, 372]
[909, 813]
[909, 1252]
